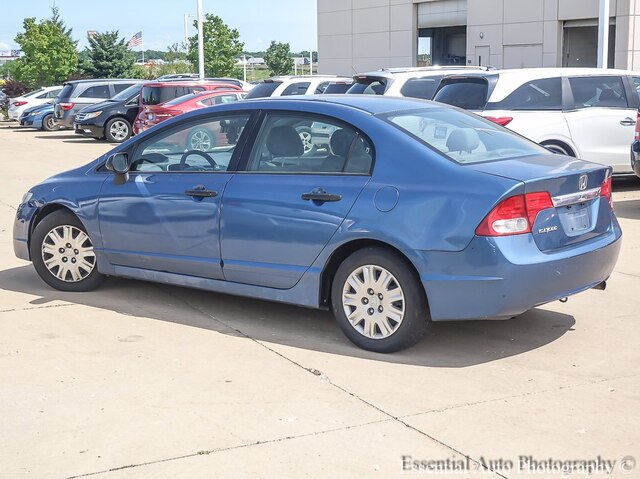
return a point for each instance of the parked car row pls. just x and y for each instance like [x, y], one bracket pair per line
[580, 112]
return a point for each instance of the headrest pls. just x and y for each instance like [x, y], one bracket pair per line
[463, 139]
[284, 141]
[341, 142]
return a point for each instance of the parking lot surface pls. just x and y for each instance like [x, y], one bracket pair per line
[145, 380]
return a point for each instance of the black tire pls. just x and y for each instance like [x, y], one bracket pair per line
[558, 147]
[58, 219]
[415, 323]
[117, 130]
[47, 123]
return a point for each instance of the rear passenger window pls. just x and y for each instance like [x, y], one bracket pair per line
[296, 89]
[97, 91]
[307, 143]
[598, 92]
[118, 87]
[636, 86]
[542, 94]
[420, 87]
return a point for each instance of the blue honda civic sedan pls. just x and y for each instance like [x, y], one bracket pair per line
[405, 212]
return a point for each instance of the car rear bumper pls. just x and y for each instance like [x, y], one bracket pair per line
[497, 278]
[635, 157]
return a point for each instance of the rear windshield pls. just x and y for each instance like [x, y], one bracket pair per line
[467, 93]
[66, 91]
[368, 86]
[155, 95]
[463, 137]
[421, 87]
[263, 90]
[337, 88]
[127, 93]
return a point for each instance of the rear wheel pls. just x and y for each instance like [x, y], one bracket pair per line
[558, 147]
[379, 302]
[62, 253]
[117, 130]
[201, 140]
[48, 123]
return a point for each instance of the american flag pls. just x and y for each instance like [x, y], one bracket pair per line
[135, 40]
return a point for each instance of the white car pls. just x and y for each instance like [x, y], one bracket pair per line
[414, 82]
[35, 98]
[314, 136]
[589, 113]
[294, 85]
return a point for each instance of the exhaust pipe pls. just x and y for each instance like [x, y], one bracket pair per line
[601, 286]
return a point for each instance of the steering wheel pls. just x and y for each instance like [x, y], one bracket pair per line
[186, 154]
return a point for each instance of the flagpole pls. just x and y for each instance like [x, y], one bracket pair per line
[142, 45]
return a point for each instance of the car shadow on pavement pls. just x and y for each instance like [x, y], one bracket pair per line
[450, 344]
[628, 209]
[58, 136]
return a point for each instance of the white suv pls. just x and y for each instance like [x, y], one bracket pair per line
[585, 112]
[294, 85]
[416, 82]
[37, 97]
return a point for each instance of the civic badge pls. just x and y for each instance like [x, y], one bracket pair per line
[582, 182]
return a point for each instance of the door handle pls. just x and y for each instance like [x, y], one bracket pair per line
[320, 195]
[199, 191]
[628, 122]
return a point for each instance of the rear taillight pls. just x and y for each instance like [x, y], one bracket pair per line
[605, 191]
[514, 215]
[500, 120]
[66, 106]
[20, 103]
[638, 126]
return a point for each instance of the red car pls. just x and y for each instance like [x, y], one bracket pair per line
[158, 113]
[157, 93]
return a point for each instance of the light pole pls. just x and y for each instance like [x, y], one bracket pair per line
[200, 42]
[603, 34]
[186, 29]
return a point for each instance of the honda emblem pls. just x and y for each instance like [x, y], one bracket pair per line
[582, 182]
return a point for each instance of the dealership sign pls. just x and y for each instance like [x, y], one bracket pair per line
[10, 53]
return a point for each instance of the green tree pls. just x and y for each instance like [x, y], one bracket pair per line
[222, 46]
[175, 52]
[278, 58]
[108, 56]
[49, 52]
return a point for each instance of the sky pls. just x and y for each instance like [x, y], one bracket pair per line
[162, 21]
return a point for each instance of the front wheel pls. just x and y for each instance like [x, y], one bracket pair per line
[117, 130]
[379, 302]
[62, 253]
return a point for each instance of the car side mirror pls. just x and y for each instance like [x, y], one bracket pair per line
[118, 163]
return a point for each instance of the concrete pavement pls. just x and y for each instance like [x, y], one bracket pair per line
[145, 380]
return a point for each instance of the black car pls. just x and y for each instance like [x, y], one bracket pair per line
[110, 119]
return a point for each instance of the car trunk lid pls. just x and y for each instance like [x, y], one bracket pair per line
[579, 192]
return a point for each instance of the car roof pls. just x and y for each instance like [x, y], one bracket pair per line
[373, 104]
[163, 83]
[418, 72]
[103, 80]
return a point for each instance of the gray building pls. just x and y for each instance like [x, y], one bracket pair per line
[361, 35]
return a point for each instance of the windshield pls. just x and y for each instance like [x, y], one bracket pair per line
[127, 93]
[462, 137]
[34, 92]
[263, 90]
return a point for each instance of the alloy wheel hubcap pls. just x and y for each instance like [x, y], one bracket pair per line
[119, 130]
[68, 253]
[50, 123]
[373, 302]
[305, 136]
[200, 141]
